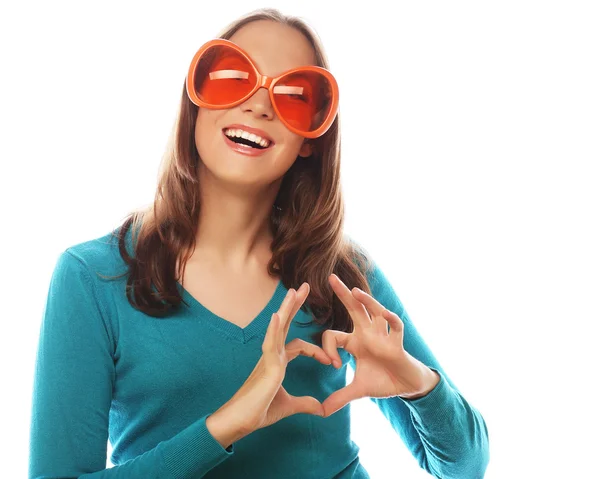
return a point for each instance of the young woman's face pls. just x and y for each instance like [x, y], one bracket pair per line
[274, 48]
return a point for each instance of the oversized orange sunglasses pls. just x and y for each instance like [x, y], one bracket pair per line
[222, 75]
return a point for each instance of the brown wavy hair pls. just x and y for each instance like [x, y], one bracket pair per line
[306, 222]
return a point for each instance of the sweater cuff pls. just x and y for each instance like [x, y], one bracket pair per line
[194, 451]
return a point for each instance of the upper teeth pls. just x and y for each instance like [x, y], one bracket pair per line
[249, 136]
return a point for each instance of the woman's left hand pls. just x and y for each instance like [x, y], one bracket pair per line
[383, 367]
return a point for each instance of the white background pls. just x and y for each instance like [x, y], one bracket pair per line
[470, 172]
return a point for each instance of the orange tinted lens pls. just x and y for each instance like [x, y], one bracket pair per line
[303, 99]
[223, 76]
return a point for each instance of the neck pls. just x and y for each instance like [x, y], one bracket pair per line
[233, 227]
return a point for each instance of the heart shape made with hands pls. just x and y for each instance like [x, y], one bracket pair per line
[383, 367]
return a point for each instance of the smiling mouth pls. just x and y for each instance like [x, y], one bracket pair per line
[253, 141]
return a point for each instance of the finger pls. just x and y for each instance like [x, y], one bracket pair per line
[396, 324]
[358, 313]
[340, 398]
[306, 405]
[297, 346]
[301, 296]
[332, 340]
[374, 308]
[270, 340]
[284, 311]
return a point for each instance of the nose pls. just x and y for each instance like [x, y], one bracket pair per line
[259, 104]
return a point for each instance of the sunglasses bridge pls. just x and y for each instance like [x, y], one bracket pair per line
[265, 81]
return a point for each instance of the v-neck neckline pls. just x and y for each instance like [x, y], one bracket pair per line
[256, 327]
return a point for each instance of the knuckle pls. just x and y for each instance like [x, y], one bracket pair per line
[328, 338]
[295, 344]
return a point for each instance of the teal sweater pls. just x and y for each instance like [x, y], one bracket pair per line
[106, 371]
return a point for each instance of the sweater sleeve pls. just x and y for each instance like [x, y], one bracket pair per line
[72, 392]
[447, 436]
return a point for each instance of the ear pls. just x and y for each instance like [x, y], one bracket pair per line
[305, 150]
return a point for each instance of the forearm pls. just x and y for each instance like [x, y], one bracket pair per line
[453, 435]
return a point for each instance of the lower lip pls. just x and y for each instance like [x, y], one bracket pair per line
[244, 149]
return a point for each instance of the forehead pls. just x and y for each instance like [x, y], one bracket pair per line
[274, 47]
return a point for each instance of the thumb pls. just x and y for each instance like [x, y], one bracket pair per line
[339, 399]
[306, 405]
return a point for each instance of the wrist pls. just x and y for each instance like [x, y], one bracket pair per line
[224, 427]
[430, 381]
[422, 377]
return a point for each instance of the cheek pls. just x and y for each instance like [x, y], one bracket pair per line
[288, 155]
[206, 131]
[292, 144]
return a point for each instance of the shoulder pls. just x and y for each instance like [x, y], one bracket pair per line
[76, 298]
[97, 255]
[84, 277]
[92, 270]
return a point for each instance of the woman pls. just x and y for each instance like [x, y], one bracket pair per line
[173, 335]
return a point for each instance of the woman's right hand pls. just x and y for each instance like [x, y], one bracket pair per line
[262, 400]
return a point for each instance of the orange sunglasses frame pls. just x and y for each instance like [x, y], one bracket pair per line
[264, 81]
